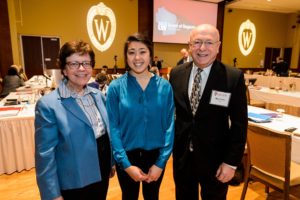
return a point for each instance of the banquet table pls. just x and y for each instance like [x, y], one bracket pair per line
[275, 96]
[16, 135]
[287, 100]
[37, 82]
[280, 124]
[17, 125]
[275, 82]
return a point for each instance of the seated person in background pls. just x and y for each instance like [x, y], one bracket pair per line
[157, 63]
[185, 56]
[281, 67]
[101, 83]
[11, 81]
[104, 69]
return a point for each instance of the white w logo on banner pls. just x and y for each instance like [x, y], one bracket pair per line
[247, 36]
[105, 28]
[101, 30]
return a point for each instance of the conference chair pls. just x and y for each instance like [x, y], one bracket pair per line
[288, 109]
[269, 161]
[253, 102]
[296, 147]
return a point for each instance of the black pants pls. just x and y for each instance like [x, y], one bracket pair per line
[98, 190]
[130, 189]
[187, 184]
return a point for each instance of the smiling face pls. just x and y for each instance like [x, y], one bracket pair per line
[204, 45]
[138, 57]
[78, 78]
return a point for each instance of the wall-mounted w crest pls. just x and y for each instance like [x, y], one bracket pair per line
[247, 36]
[101, 26]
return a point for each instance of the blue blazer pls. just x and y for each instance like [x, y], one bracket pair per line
[65, 146]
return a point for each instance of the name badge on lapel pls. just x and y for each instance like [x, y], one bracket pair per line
[220, 98]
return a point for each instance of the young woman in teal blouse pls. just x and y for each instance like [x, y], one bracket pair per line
[141, 115]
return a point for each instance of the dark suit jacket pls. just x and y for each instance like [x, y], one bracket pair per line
[157, 64]
[281, 68]
[181, 61]
[214, 139]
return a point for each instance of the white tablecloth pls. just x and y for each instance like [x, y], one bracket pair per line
[275, 81]
[37, 82]
[16, 144]
[275, 96]
[17, 139]
[280, 124]
[274, 99]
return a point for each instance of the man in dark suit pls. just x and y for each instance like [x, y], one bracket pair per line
[281, 67]
[157, 63]
[209, 142]
[185, 56]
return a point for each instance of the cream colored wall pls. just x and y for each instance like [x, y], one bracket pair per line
[67, 19]
[294, 34]
[296, 48]
[272, 30]
[14, 33]
[169, 53]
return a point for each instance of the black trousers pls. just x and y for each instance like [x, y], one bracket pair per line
[130, 189]
[98, 190]
[187, 183]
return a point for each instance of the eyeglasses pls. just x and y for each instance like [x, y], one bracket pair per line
[199, 43]
[76, 65]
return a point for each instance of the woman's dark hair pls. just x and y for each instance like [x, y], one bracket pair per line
[137, 37]
[72, 47]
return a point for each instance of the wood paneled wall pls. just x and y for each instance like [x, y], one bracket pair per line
[145, 17]
[6, 58]
[220, 23]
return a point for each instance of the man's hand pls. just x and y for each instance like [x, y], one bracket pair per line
[225, 173]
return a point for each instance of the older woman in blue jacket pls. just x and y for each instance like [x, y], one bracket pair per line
[73, 154]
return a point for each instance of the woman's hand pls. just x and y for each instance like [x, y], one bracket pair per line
[154, 173]
[112, 171]
[136, 173]
[59, 198]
